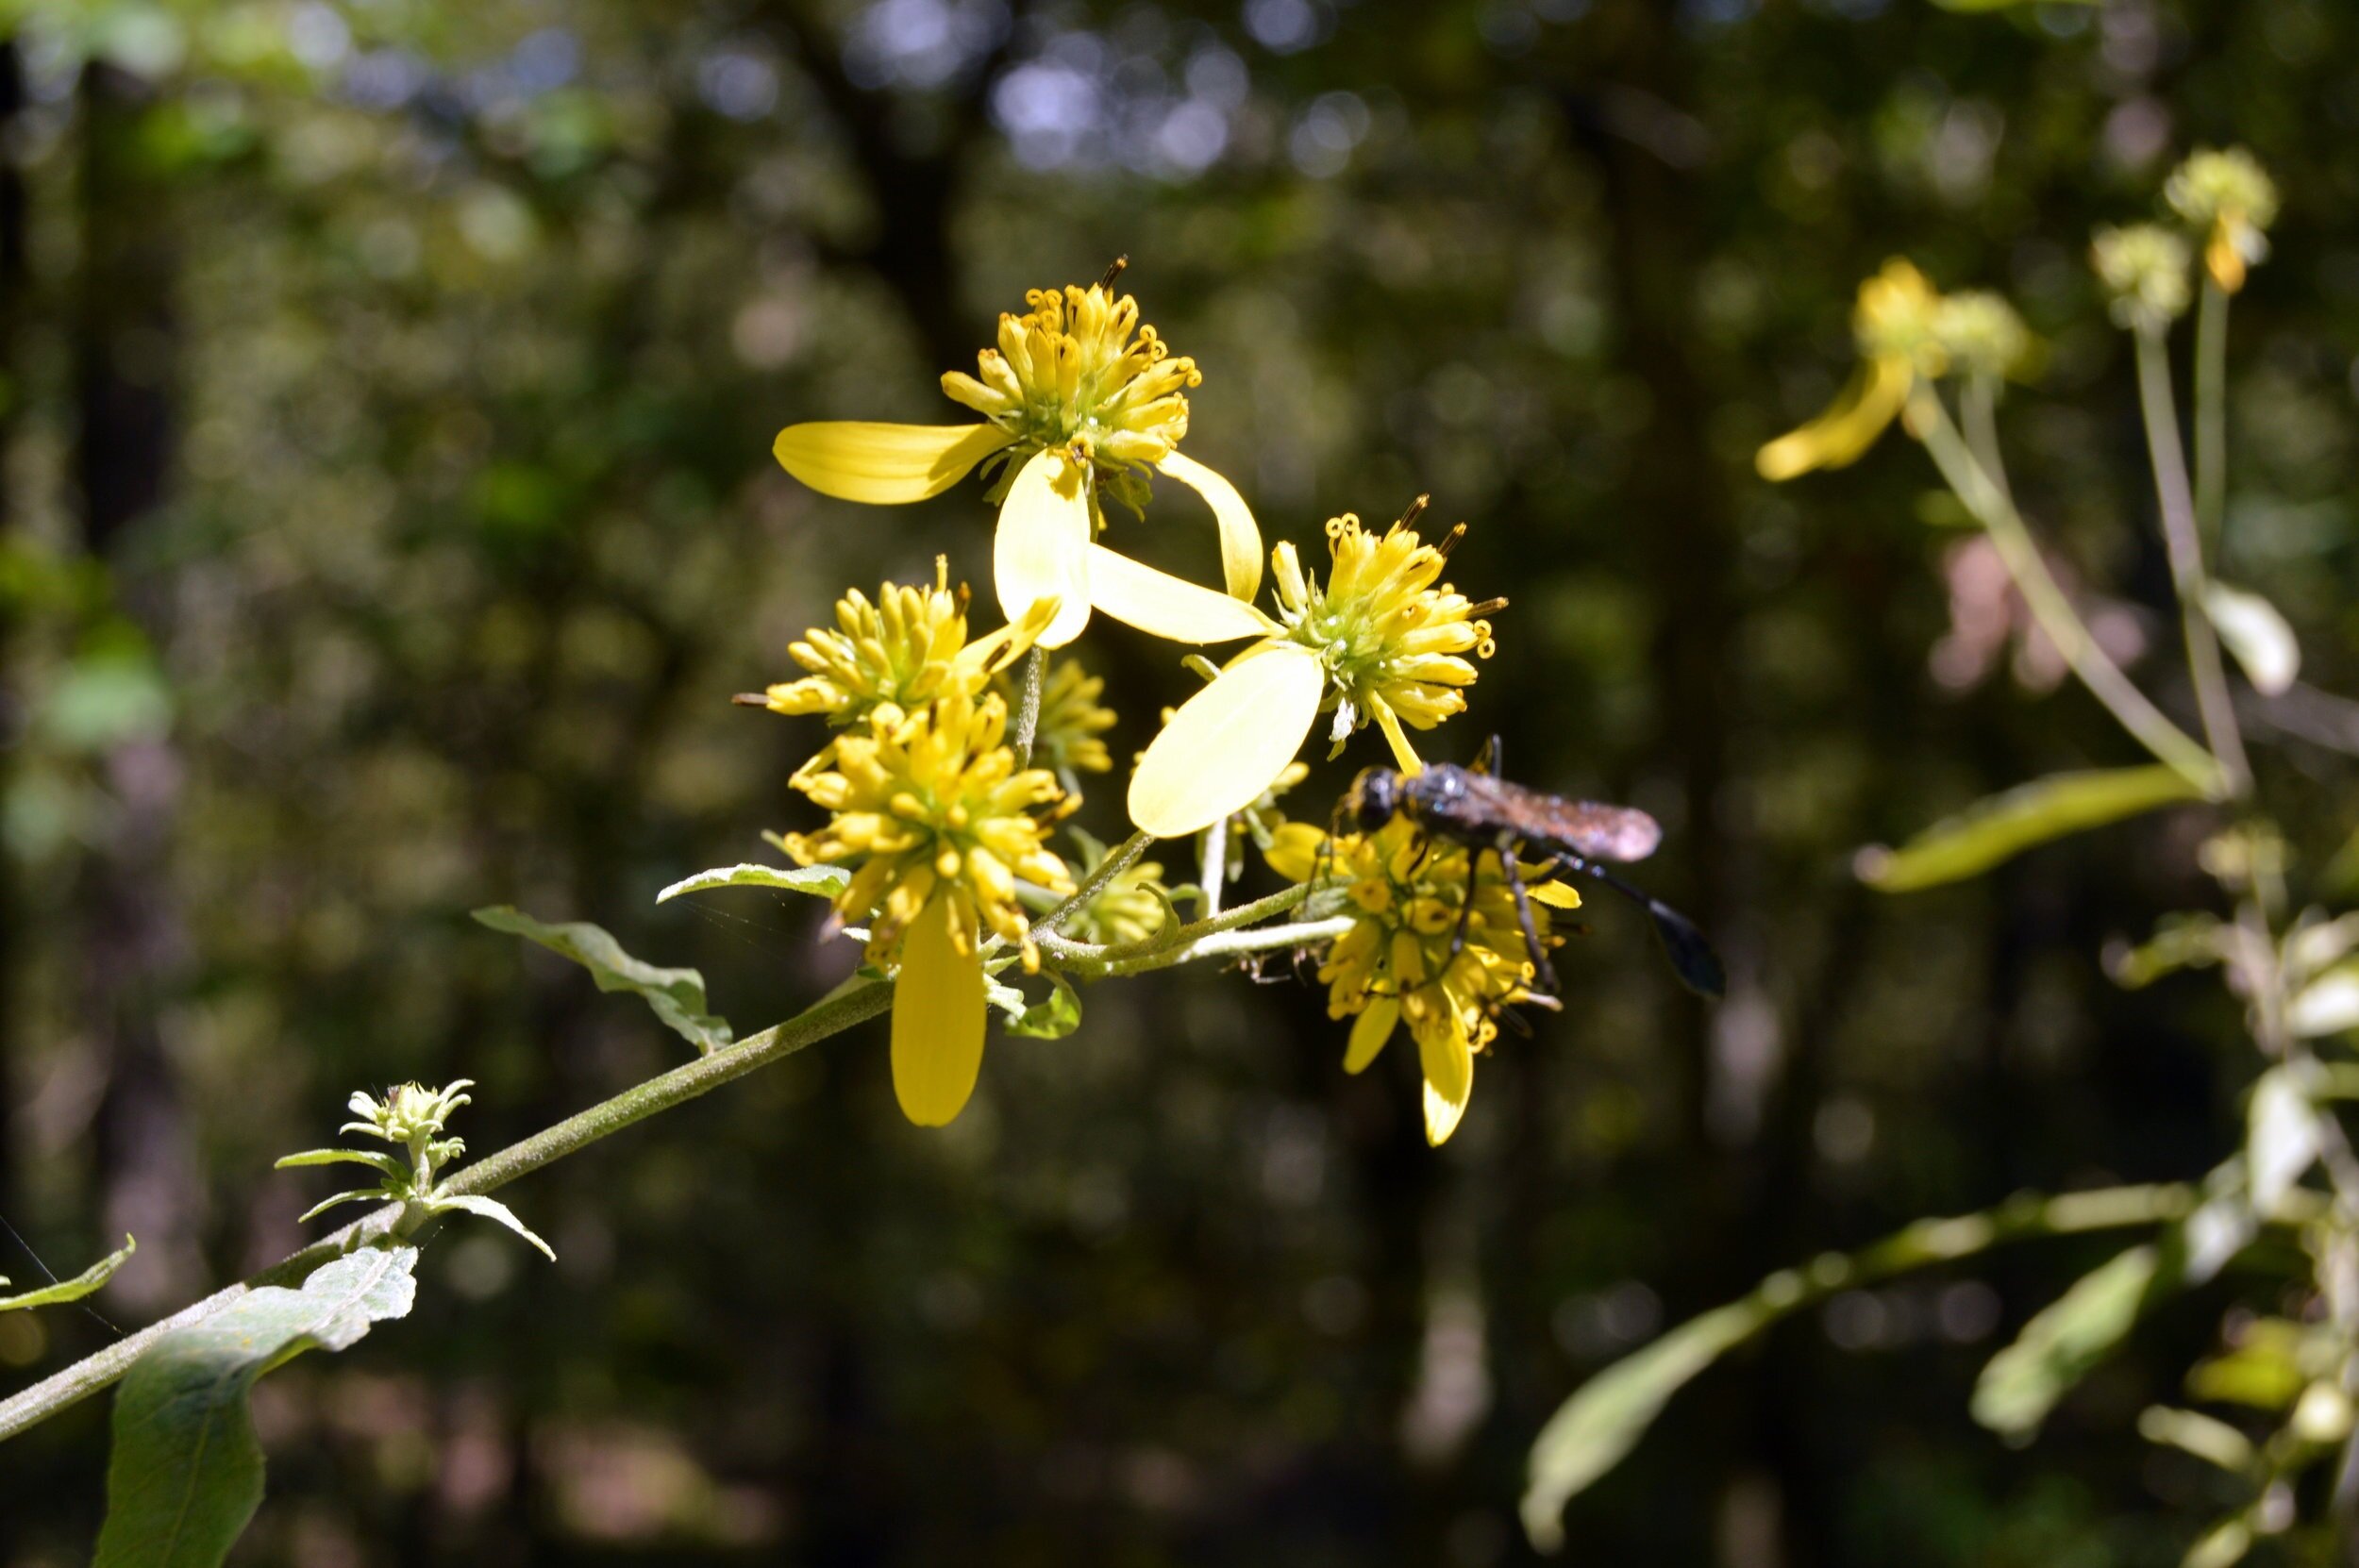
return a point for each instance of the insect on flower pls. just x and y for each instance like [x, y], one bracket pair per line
[1477, 807]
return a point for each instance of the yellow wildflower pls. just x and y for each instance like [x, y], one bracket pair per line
[1405, 894]
[2231, 200]
[1382, 641]
[932, 813]
[1078, 398]
[2144, 268]
[1895, 324]
[899, 653]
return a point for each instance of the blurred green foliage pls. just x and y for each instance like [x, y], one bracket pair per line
[389, 515]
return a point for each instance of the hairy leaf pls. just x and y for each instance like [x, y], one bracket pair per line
[2005, 826]
[75, 1289]
[1053, 1018]
[187, 1474]
[1594, 1429]
[2063, 1342]
[494, 1210]
[678, 995]
[820, 881]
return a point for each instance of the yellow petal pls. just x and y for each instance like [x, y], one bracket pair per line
[1369, 1031]
[854, 460]
[1449, 1062]
[1157, 602]
[1240, 539]
[1404, 755]
[1042, 549]
[1227, 743]
[1295, 851]
[1556, 895]
[1848, 428]
[937, 1019]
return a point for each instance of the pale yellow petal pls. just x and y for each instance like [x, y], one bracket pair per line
[1295, 850]
[1556, 895]
[1404, 755]
[1449, 1062]
[1369, 1031]
[1239, 539]
[937, 1019]
[1042, 548]
[1157, 602]
[1227, 743]
[1848, 428]
[855, 461]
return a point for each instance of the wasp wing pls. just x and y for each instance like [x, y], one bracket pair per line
[1586, 827]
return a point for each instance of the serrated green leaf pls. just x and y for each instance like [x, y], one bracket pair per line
[75, 1289]
[1053, 1018]
[186, 1474]
[819, 881]
[2065, 1341]
[494, 1210]
[678, 995]
[2005, 826]
[1592, 1431]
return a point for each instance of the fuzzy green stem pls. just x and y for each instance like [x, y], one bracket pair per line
[832, 1016]
[2185, 549]
[2211, 414]
[1929, 420]
[1027, 690]
[1118, 859]
[1084, 960]
[1216, 864]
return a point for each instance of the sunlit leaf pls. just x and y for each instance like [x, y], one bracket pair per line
[2327, 1004]
[2264, 1371]
[820, 881]
[2065, 1341]
[678, 995]
[2208, 1438]
[75, 1289]
[494, 1210]
[1053, 1018]
[186, 1473]
[2005, 826]
[2281, 1138]
[2260, 638]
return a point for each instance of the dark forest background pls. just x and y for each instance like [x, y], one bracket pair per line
[387, 514]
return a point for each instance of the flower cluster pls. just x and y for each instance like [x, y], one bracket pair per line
[1409, 897]
[411, 1117]
[2230, 199]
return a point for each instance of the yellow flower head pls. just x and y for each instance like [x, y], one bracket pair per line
[938, 824]
[1895, 323]
[2144, 268]
[1077, 397]
[1384, 641]
[896, 655]
[1405, 894]
[1980, 331]
[1078, 371]
[2230, 199]
[1067, 734]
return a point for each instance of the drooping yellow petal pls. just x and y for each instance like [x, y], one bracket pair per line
[1369, 1031]
[2221, 259]
[1295, 851]
[1556, 895]
[1042, 548]
[1240, 538]
[937, 1017]
[1449, 1062]
[884, 464]
[1157, 602]
[1848, 428]
[1227, 743]
[1404, 755]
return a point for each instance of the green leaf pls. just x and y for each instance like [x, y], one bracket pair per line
[1056, 1017]
[1592, 1430]
[2068, 1338]
[678, 995]
[2327, 1004]
[384, 1164]
[187, 1474]
[2281, 1138]
[493, 1210]
[819, 881]
[75, 1289]
[357, 1195]
[2005, 826]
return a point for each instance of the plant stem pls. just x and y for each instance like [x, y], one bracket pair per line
[1118, 859]
[1089, 962]
[685, 1082]
[1028, 689]
[2185, 548]
[1216, 869]
[1930, 421]
[1978, 412]
[2211, 414]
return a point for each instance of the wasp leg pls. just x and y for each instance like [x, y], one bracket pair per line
[1542, 971]
[1465, 904]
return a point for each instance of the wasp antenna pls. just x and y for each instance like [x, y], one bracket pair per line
[1416, 509]
[1112, 272]
[750, 699]
[1450, 541]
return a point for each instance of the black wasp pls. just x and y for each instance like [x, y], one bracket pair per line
[1487, 814]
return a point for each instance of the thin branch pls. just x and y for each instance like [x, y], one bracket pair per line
[1027, 688]
[2211, 414]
